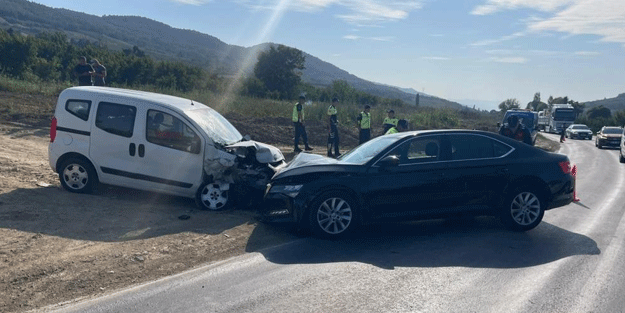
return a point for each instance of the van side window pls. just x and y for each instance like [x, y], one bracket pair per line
[78, 108]
[167, 130]
[117, 119]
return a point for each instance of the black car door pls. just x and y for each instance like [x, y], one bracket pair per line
[478, 166]
[415, 186]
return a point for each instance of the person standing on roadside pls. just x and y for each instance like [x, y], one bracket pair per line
[100, 73]
[83, 71]
[389, 121]
[298, 125]
[562, 133]
[333, 130]
[364, 125]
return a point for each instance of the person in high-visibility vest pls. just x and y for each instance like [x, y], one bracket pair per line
[333, 130]
[364, 125]
[389, 121]
[298, 125]
[402, 126]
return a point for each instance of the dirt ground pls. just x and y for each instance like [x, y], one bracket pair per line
[58, 246]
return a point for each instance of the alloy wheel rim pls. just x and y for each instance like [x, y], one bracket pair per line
[75, 176]
[213, 197]
[525, 208]
[334, 216]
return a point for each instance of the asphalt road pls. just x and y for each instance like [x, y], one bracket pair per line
[574, 261]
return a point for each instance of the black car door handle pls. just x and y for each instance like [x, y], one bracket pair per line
[131, 149]
[141, 150]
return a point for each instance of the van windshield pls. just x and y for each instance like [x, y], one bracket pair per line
[216, 126]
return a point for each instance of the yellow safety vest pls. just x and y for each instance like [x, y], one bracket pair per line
[332, 110]
[365, 122]
[392, 130]
[390, 121]
[295, 115]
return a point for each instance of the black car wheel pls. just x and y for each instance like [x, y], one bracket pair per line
[332, 215]
[77, 175]
[523, 210]
[621, 158]
[212, 196]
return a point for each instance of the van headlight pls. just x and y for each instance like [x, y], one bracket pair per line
[289, 190]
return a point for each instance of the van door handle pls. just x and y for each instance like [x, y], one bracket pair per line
[131, 149]
[141, 150]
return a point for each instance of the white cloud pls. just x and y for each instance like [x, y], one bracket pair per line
[436, 58]
[493, 6]
[388, 38]
[587, 53]
[359, 12]
[351, 37]
[518, 60]
[603, 18]
[494, 41]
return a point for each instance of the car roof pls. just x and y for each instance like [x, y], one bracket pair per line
[172, 102]
[446, 132]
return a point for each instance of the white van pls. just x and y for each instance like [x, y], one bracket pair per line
[155, 142]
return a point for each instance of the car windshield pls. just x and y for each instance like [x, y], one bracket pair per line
[368, 150]
[580, 127]
[613, 130]
[216, 126]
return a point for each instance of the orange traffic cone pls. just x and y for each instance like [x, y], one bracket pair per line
[574, 173]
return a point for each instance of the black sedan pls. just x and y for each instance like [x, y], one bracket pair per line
[417, 175]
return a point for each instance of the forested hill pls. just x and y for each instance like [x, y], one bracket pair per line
[163, 42]
[615, 104]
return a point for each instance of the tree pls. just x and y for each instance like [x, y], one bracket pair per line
[599, 112]
[276, 69]
[578, 108]
[417, 101]
[536, 104]
[509, 104]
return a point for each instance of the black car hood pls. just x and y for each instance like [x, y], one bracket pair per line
[305, 162]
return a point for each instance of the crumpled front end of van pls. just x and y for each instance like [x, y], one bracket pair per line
[247, 165]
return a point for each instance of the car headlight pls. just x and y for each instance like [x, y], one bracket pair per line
[289, 190]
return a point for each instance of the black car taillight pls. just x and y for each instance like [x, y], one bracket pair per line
[53, 129]
[565, 166]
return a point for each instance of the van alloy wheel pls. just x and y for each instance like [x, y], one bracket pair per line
[213, 196]
[77, 175]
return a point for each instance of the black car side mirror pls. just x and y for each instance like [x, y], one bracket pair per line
[389, 161]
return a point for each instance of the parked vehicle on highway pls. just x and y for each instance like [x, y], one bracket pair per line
[561, 115]
[417, 175]
[528, 118]
[578, 131]
[621, 154]
[609, 136]
[155, 142]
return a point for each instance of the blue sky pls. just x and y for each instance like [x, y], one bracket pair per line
[487, 50]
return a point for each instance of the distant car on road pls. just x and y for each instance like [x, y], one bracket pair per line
[621, 155]
[417, 175]
[609, 136]
[578, 131]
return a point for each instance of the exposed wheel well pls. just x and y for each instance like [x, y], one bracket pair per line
[531, 183]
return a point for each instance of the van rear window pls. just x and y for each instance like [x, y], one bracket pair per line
[78, 108]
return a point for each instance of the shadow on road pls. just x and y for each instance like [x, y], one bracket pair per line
[480, 242]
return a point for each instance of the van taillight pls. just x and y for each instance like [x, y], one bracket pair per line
[565, 166]
[53, 129]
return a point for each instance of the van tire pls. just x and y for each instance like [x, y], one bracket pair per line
[77, 175]
[211, 197]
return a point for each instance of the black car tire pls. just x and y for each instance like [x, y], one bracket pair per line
[333, 214]
[211, 197]
[599, 146]
[621, 158]
[78, 175]
[523, 209]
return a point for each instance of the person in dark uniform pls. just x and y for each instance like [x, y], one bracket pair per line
[516, 130]
[298, 124]
[99, 73]
[562, 133]
[83, 71]
[333, 130]
[364, 125]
